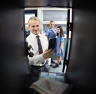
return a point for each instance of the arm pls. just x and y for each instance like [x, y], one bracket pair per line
[34, 59]
[38, 59]
[61, 46]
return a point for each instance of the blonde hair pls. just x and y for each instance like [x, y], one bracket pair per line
[33, 19]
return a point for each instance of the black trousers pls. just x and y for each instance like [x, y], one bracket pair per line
[34, 75]
[35, 72]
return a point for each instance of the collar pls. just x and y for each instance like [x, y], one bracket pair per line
[52, 29]
[32, 34]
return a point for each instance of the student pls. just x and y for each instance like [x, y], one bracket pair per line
[59, 45]
[38, 48]
[51, 33]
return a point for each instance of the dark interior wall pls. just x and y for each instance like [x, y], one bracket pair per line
[82, 65]
[48, 3]
[10, 26]
[13, 63]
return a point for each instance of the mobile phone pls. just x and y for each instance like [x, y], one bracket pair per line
[52, 43]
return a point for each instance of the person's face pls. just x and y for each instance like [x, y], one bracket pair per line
[58, 30]
[52, 24]
[34, 27]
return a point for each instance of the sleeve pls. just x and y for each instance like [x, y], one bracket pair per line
[28, 49]
[36, 59]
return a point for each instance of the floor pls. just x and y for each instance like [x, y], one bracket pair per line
[58, 69]
[54, 73]
[55, 76]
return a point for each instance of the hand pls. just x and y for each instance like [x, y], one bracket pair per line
[48, 53]
[58, 52]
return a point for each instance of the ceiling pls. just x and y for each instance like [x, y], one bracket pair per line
[35, 3]
[48, 3]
